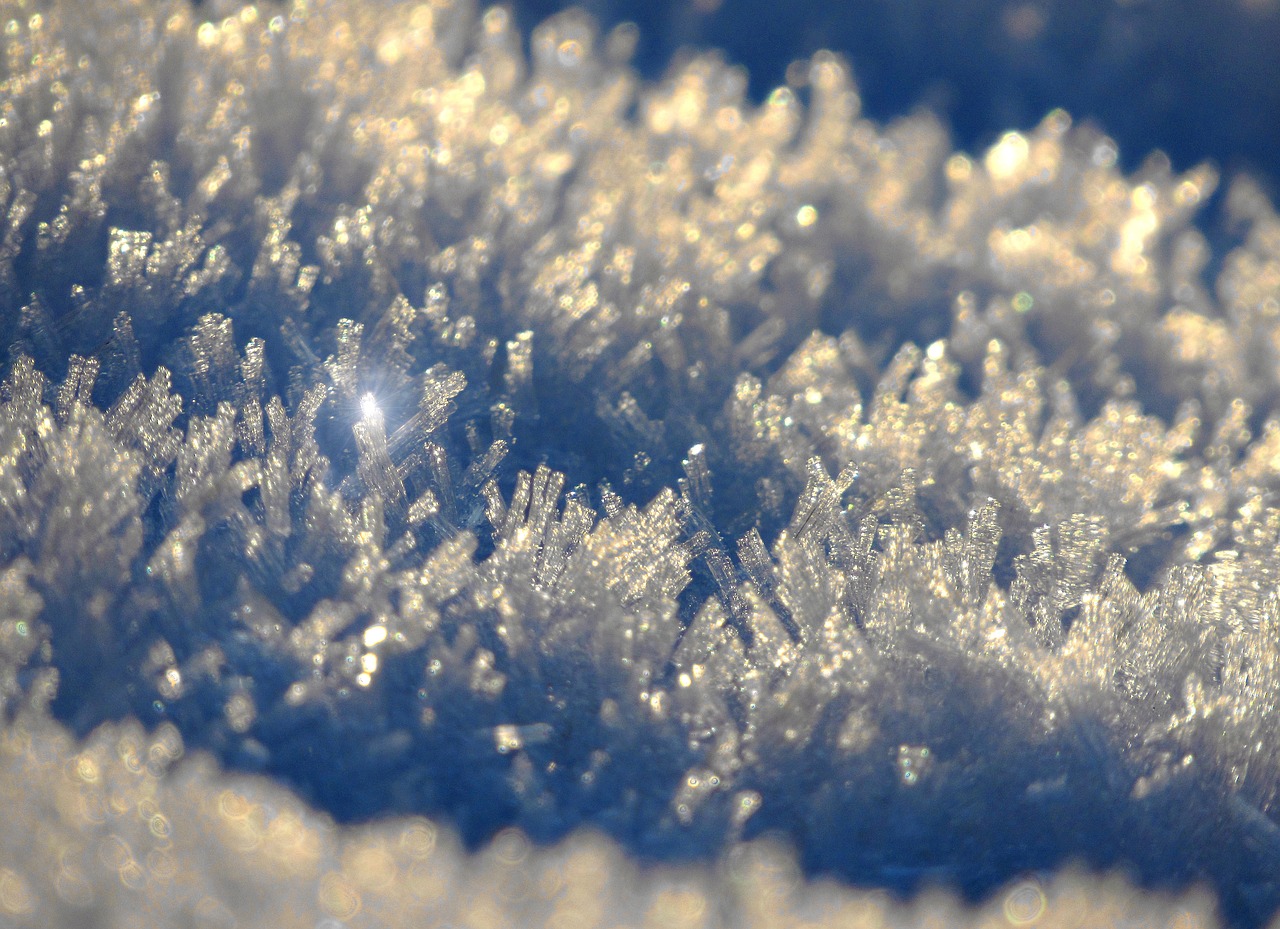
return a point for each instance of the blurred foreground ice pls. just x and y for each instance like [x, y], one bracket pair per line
[117, 833]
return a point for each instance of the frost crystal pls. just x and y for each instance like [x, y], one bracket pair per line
[444, 433]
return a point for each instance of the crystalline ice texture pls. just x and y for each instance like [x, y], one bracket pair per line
[441, 432]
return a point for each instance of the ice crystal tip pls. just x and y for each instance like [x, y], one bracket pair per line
[508, 441]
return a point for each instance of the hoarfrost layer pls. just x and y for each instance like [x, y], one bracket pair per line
[444, 432]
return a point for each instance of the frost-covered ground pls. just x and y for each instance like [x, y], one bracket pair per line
[394, 426]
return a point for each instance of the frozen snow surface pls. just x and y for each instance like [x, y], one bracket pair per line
[445, 485]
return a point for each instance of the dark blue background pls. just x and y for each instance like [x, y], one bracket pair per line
[1199, 79]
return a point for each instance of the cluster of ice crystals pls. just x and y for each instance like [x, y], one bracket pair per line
[444, 432]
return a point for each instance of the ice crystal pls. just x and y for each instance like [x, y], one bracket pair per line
[445, 433]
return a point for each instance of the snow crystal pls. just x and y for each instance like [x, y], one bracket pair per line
[633, 480]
